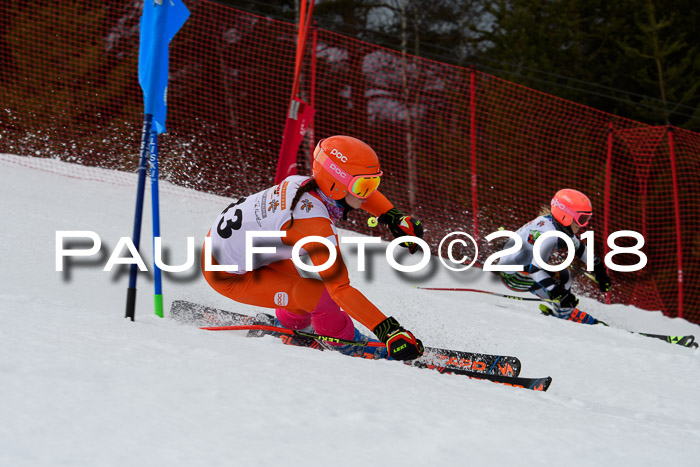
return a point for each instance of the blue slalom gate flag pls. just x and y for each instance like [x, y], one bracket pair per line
[160, 21]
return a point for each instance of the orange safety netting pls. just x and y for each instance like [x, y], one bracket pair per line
[460, 149]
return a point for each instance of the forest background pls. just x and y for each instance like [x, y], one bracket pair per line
[637, 59]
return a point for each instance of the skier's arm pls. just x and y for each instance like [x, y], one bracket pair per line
[400, 343]
[377, 204]
[539, 274]
[580, 249]
[599, 270]
[555, 290]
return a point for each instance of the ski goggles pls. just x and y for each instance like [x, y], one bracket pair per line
[362, 186]
[581, 218]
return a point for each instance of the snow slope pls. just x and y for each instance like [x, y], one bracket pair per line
[82, 386]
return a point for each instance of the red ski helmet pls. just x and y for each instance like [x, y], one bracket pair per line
[342, 164]
[570, 205]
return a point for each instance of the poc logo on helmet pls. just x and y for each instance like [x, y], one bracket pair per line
[338, 170]
[339, 155]
[558, 204]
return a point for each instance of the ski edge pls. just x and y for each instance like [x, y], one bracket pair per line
[534, 384]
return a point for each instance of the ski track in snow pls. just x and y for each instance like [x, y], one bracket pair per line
[82, 386]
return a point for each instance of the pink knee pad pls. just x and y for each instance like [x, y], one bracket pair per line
[292, 320]
[329, 320]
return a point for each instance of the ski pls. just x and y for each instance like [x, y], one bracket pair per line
[685, 341]
[581, 317]
[263, 324]
[198, 315]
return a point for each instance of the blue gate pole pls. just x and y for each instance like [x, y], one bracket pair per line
[138, 214]
[158, 286]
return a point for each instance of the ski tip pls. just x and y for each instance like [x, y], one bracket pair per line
[684, 341]
[541, 384]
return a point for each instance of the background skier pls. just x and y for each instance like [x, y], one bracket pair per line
[569, 212]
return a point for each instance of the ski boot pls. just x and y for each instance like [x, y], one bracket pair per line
[372, 353]
[574, 315]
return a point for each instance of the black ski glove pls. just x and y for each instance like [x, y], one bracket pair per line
[400, 343]
[400, 225]
[601, 276]
[565, 298]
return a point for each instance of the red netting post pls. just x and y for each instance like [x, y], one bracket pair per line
[472, 138]
[299, 113]
[314, 44]
[301, 41]
[606, 208]
[677, 209]
[312, 95]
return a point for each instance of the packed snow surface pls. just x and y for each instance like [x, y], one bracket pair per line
[82, 386]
